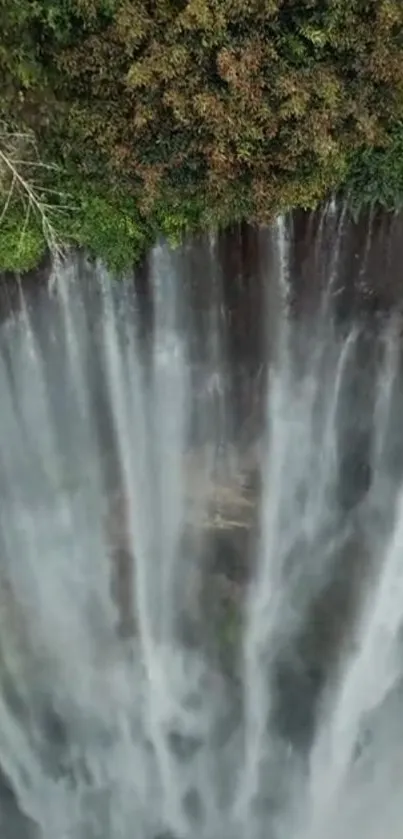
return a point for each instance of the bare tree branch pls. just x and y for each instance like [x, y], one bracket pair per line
[19, 158]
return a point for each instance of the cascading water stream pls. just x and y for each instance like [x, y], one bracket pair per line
[117, 718]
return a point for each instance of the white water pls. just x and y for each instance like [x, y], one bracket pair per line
[115, 719]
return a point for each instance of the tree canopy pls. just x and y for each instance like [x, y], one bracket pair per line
[166, 115]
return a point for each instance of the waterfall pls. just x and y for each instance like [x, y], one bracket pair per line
[201, 638]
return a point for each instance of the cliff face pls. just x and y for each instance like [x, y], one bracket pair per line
[227, 317]
[221, 516]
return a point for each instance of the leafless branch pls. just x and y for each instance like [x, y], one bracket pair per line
[19, 157]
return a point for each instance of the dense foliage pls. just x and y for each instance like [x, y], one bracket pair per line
[164, 115]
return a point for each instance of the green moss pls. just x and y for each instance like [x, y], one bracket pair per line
[229, 633]
[108, 228]
[21, 246]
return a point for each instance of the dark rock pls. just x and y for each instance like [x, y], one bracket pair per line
[193, 805]
[184, 746]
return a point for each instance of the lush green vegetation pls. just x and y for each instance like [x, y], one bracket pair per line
[171, 115]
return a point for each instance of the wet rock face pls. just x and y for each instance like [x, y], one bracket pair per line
[355, 419]
[355, 472]
[228, 554]
[219, 531]
[211, 591]
[122, 590]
